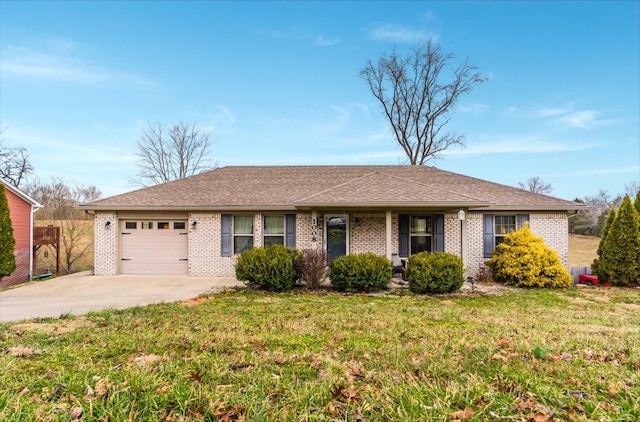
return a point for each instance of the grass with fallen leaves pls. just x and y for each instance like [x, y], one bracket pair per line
[537, 355]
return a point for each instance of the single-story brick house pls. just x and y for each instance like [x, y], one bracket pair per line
[197, 226]
[21, 210]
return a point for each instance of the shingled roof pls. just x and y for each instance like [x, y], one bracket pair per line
[306, 187]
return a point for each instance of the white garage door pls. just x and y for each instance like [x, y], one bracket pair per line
[153, 247]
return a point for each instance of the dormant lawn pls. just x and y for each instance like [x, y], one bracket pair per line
[525, 355]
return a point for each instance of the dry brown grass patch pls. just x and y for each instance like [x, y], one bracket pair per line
[58, 327]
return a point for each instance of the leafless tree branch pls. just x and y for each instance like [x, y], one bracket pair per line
[14, 163]
[171, 153]
[415, 99]
[536, 185]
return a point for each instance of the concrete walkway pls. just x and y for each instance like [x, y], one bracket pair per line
[80, 293]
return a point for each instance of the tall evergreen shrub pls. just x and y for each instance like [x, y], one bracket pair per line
[619, 261]
[599, 267]
[636, 203]
[7, 240]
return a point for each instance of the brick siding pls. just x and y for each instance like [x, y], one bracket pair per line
[106, 256]
[22, 273]
[367, 234]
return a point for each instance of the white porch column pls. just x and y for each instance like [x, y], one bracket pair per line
[388, 234]
[465, 243]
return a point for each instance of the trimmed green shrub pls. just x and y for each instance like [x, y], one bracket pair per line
[7, 240]
[619, 251]
[360, 272]
[524, 260]
[438, 272]
[270, 268]
[311, 266]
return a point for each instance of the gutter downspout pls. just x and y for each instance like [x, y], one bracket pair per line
[33, 211]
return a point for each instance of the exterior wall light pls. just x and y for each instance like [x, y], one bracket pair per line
[461, 215]
[193, 225]
[473, 284]
[107, 225]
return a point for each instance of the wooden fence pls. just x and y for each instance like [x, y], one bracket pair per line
[576, 271]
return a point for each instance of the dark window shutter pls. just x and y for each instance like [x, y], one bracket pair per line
[488, 235]
[290, 230]
[438, 233]
[522, 218]
[403, 235]
[226, 235]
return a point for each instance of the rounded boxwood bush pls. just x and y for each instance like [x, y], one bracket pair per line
[270, 268]
[524, 260]
[438, 272]
[365, 272]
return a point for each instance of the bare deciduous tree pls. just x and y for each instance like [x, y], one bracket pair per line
[416, 98]
[14, 163]
[59, 200]
[536, 185]
[171, 153]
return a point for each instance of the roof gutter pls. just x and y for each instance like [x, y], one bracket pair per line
[393, 205]
[34, 209]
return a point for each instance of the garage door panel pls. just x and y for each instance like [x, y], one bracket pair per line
[154, 250]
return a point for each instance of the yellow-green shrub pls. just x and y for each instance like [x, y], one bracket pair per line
[524, 260]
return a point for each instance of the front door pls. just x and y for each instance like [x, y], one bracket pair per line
[337, 230]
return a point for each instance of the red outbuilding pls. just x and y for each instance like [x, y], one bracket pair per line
[21, 209]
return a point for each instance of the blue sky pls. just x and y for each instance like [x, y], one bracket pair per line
[277, 83]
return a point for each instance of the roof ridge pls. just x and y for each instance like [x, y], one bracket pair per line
[431, 186]
[337, 186]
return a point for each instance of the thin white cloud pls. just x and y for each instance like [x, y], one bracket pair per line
[57, 65]
[565, 116]
[583, 119]
[531, 144]
[23, 63]
[602, 171]
[324, 42]
[399, 33]
[476, 108]
[548, 112]
[296, 34]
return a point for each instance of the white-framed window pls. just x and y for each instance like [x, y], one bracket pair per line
[242, 233]
[503, 225]
[273, 230]
[420, 232]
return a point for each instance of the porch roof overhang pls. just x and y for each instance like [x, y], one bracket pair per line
[392, 205]
[555, 208]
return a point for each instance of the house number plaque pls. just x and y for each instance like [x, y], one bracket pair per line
[314, 233]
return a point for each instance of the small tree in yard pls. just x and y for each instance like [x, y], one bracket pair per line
[524, 260]
[312, 267]
[599, 267]
[619, 260]
[7, 241]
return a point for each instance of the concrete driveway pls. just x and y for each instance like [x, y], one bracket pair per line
[80, 293]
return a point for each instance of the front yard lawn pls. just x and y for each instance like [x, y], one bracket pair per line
[537, 355]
